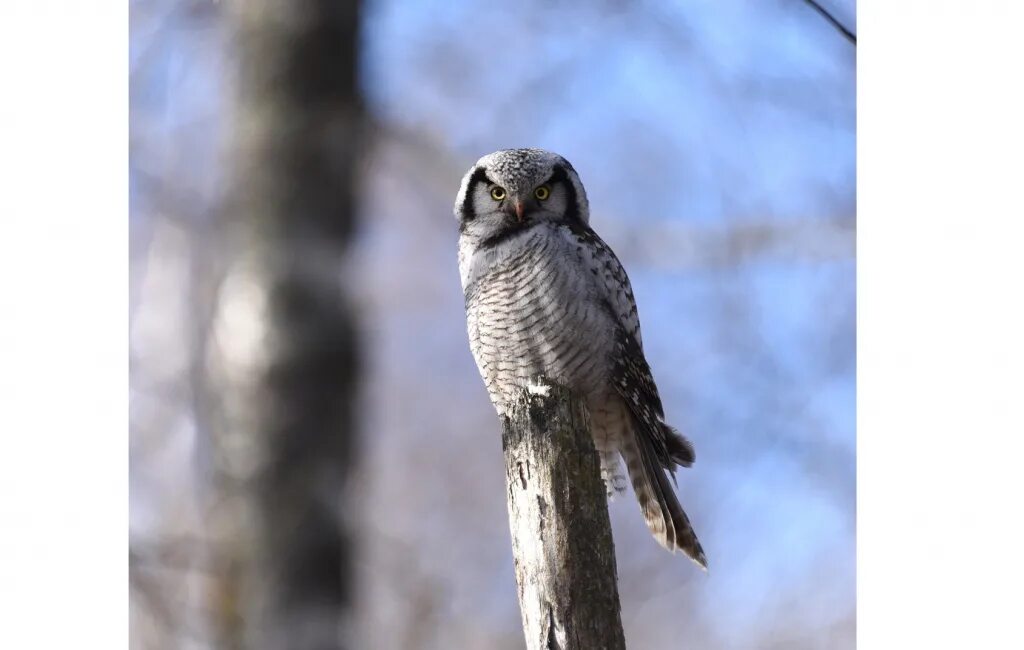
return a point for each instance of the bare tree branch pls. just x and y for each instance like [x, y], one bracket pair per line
[850, 36]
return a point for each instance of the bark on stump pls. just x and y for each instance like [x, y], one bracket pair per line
[558, 515]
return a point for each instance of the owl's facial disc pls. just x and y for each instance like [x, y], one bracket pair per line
[511, 191]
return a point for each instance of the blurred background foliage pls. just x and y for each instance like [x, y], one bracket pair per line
[717, 144]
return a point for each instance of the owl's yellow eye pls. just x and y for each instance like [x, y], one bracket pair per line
[542, 193]
[498, 193]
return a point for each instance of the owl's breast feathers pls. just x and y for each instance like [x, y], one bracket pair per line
[548, 304]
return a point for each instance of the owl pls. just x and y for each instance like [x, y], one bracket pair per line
[546, 296]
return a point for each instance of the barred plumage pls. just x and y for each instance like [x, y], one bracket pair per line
[546, 296]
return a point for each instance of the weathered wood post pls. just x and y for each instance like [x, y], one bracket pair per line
[561, 534]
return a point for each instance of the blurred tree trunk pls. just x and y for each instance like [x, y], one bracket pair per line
[285, 328]
[561, 533]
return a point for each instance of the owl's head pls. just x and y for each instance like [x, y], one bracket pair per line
[512, 190]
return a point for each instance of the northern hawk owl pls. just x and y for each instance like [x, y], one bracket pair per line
[545, 296]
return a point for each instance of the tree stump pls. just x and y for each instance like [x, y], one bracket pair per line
[558, 516]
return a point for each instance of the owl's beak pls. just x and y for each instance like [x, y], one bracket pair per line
[518, 208]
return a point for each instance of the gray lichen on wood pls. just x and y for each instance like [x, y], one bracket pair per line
[558, 516]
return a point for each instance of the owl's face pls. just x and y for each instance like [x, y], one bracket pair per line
[511, 191]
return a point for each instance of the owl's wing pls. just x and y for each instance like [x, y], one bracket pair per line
[649, 446]
[635, 385]
[632, 375]
[598, 258]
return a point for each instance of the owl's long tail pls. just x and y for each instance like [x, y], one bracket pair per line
[665, 517]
